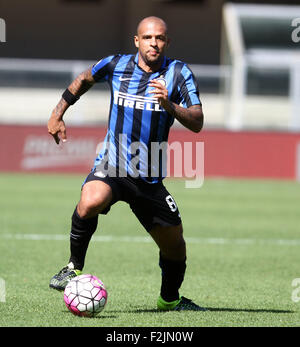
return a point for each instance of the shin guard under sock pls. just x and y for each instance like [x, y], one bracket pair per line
[80, 236]
[172, 277]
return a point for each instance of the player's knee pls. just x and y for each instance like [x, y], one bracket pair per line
[175, 252]
[175, 249]
[90, 205]
[95, 197]
[178, 243]
[179, 248]
[86, 208]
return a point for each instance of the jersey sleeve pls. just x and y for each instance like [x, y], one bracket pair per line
[187, 89]
[102, 69]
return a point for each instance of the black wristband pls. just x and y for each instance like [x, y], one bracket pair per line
[69, 97]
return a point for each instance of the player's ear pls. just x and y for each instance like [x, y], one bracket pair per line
[136, 41]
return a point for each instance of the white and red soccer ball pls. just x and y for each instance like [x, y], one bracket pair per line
[85, 295]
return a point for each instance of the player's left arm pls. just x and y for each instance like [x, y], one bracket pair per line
[191, 117]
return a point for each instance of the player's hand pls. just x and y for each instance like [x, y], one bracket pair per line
[160, 92]
[57, 129]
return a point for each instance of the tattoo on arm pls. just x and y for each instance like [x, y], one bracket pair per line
[191, 118]
[79, 86]
[61, 108]
[82, 83]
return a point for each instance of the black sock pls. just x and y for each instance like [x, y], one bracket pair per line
[172, 277]
[80, 236]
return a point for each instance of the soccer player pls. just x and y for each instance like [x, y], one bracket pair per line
[148, 91]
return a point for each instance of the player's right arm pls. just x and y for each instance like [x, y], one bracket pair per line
[56, 124]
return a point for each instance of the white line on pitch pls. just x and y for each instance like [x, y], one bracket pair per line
[147, 239]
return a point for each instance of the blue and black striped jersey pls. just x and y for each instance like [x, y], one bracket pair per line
[136, 120]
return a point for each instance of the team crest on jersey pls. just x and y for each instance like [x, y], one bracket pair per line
[161, 80]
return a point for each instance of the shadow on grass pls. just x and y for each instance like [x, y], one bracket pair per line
[250, 310]
[96, 317]
[210, 309]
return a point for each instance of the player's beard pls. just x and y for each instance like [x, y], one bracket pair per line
[153, 61]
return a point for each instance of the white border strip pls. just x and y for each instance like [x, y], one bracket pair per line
[298, 162]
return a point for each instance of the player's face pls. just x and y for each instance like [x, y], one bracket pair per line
[152, 42]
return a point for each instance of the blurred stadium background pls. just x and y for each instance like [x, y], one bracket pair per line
[246, 57]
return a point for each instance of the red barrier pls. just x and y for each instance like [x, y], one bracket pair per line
[233, 154]
[31, 148]
[247, 153]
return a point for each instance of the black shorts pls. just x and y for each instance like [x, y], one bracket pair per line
[151, 203]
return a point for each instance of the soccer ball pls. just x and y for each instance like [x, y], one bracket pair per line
[85, 295]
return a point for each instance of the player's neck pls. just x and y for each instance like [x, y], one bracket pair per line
[148, 67]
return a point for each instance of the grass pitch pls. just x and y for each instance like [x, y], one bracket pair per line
[242, 242]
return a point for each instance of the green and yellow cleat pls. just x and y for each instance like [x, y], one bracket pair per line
[61, 279]
[182, 304]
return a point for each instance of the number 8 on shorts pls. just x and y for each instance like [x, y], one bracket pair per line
[171, 202]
